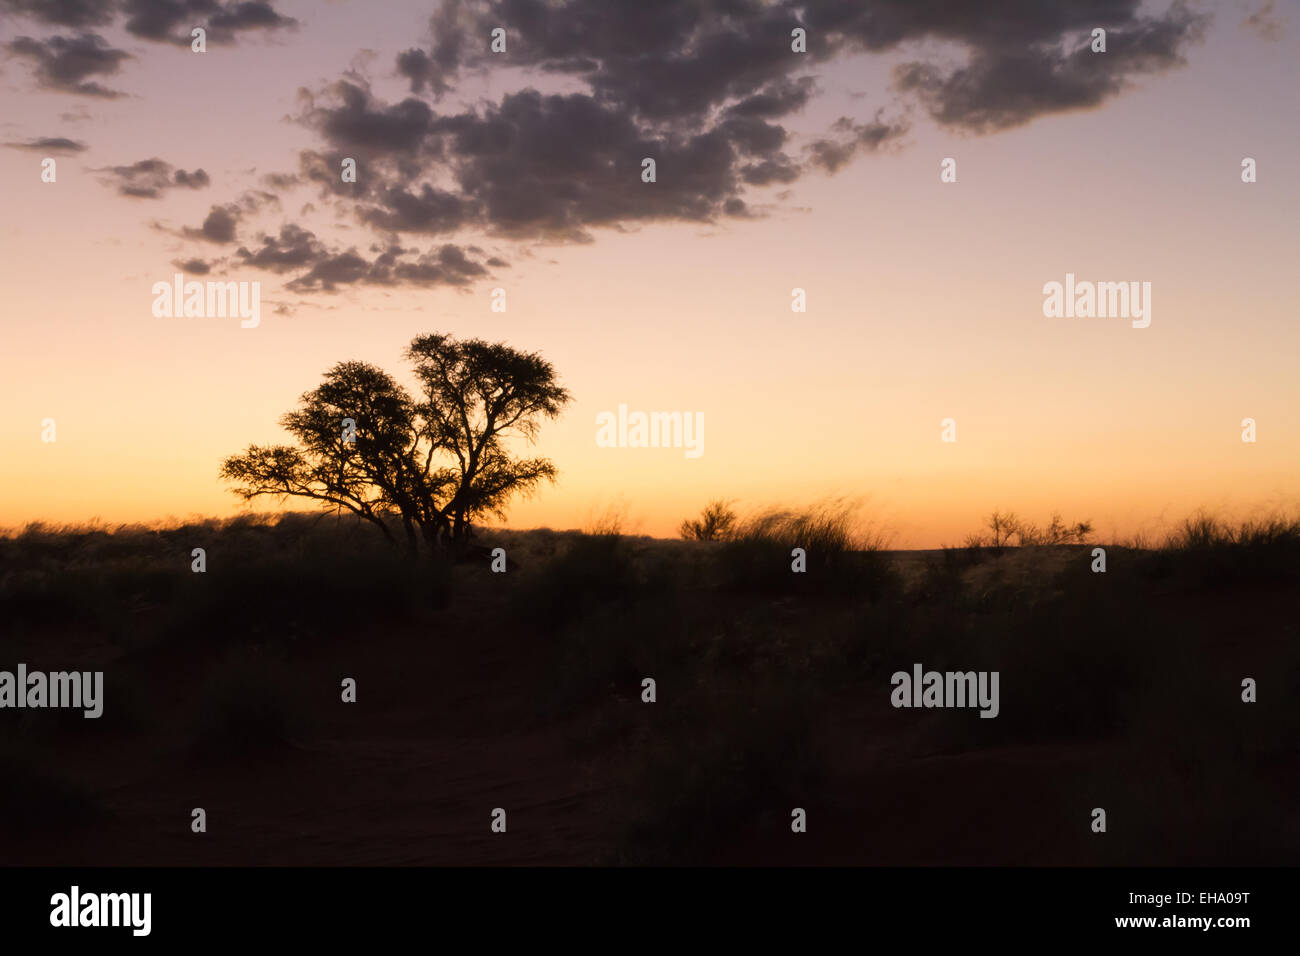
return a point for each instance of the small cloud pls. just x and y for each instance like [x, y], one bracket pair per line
[170, 21]
[51, 144]
[65, 63]
[150, 178]
[281, 181]
[219, 226]
[831, 154]
[293, 248]
[196, 267]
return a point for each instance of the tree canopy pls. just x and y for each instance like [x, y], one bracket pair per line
[430, 462]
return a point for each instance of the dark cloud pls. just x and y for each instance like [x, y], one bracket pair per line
[715, 61]
[446, 265]
[157, 19]
[248, 15]
[320, 269]
[51, 144]
[555, 165]
[700, 86]
[769, 171]
[294, 248]
[219, 226]
[1000, 88]
[737, 208]
[752, 136]
[665, 60]
[346, 268]
[778, 98]
[63, 13]
[196, 267]
[1025, 58]
[167, 21]
[150, 178]
[535, 165]
[64, 63]
[170, 21]
[703, 87]
[324, 169]
[878, 25]
[449, 27]
[831, 154]
[417, 67]
[195, 180]
[681, 59]
[427, 210]
[360, 128]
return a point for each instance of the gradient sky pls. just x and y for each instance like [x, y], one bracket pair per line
[924, 298]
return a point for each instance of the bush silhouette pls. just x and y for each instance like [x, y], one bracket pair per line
[715, 523]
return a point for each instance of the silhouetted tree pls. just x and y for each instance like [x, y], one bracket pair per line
[434, 462]
[1003, 526]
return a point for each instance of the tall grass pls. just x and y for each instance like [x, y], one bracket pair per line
[1206, 551]
[841, 554]
[1207, 531]
[753, 661]
[283, 577]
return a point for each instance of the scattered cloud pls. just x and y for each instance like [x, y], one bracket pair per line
[831, 154]
[198, 267]
[63, 13]
[65, 63]
[150, 178]
[219, 226]
[51, 144]
[170, 21]
[708, 90]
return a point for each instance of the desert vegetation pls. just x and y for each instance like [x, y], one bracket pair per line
[432, 464]
[525, 689]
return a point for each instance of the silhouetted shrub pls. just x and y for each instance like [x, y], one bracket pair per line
[758, 555]
[1207, 552]
[715, 523]
[593, 570]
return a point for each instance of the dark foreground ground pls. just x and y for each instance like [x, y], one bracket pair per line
[522, 691]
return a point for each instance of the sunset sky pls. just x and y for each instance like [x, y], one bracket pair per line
[775, 170]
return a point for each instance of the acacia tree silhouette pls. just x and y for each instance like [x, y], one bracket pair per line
[436, 462]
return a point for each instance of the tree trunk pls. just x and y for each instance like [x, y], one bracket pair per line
[412, 543]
